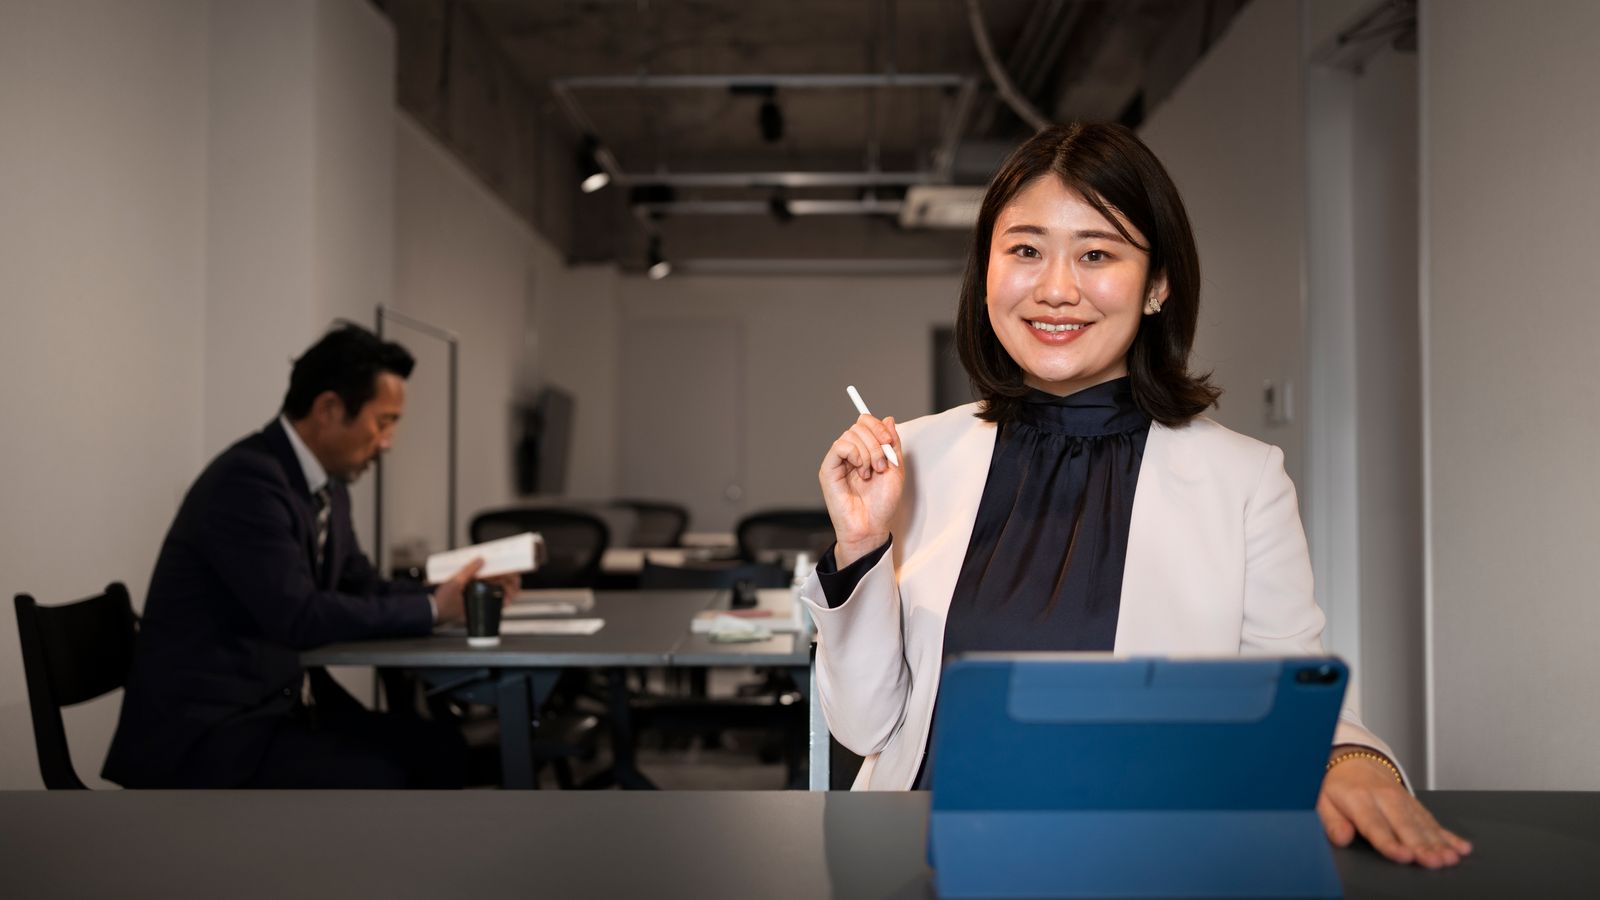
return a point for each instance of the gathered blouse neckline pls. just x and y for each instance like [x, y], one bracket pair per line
[1105, 409]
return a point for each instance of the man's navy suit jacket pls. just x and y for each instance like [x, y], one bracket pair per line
[234, 599]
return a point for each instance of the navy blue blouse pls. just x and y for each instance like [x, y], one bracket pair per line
[1043, 569]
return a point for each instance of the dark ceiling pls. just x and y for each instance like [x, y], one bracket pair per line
[493, 80]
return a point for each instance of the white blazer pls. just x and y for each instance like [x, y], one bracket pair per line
[1216, 565]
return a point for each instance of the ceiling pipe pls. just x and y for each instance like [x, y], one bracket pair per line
[799, 266]
[997, 73]
[703, 82]
[778, 179]
[764, 207]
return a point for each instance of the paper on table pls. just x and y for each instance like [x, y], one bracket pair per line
[518, 553]
[551, 626]
[583, 597]
[724, 628]
[550, 602]
[539, 610]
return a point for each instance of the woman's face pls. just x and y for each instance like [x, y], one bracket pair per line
[1065, 289]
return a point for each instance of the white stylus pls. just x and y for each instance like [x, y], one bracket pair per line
[861, 407]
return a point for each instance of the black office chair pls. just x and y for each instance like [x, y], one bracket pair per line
[574, 542]
[71, 654]
[765, 536]
[710, 576]
[657, 524]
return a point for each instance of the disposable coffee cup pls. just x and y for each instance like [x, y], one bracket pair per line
[744, 594]
[484, 601]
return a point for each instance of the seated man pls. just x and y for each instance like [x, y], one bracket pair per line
[262, 563]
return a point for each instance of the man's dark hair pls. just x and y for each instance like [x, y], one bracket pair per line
[346, 361]
[1115, 173]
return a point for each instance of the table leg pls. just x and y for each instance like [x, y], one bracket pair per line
[800, 754]
[516, 731]
[818, 738]
[541, 682]
[624, 765]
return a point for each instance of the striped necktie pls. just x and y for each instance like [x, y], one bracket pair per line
[324, 508]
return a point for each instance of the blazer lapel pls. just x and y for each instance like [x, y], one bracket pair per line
[1158, 568]
[339, 511]
[953, 479]
[299, 491]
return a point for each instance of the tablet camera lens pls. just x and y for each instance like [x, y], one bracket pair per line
[1317, 675]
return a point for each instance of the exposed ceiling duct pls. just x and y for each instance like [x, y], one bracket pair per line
[724, 130]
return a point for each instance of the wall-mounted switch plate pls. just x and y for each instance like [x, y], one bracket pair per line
[1277, 400]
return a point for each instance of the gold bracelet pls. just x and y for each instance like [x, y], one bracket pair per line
[1378, 758]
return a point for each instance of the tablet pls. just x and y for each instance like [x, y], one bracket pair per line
[1086, 775]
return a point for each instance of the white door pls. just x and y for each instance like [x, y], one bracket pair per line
[682, 428]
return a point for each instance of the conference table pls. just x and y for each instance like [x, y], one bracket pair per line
[643, 629]
[581, 844]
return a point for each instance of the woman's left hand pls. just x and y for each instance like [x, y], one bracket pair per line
[1362, 796]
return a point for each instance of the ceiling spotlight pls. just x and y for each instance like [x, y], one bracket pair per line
[779, 205]
[770, 119]
[659, 266]
[655, 199]
[593, 175]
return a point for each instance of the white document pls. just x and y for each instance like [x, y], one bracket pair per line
[539, 610]
[551, 626]
[506, 556]
[550, 602]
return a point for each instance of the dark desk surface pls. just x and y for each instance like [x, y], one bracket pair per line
[641, 629]
[612, 844]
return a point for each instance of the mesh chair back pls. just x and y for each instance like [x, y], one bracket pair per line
[71, 654]
[765, 536]
[574, 542]
[658, 524]
[710, 576]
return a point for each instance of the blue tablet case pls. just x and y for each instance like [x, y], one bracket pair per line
[1063, 776]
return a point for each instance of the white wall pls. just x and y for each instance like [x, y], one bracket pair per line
[464, 262]
[805, 338]
[1231, 136]
[353, 177]
[575, 344]
[1510, 205]
[102, 286]
[1388, 402]
[260, 223]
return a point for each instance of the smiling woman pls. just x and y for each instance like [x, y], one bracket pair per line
[1101, 193]
[1084, 503]
[1065, 290]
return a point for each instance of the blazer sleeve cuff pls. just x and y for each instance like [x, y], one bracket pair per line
[838, 584]
[1351, 732]
[862, 677]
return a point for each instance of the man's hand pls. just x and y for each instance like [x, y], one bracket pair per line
[509, 584]
[1361, 796]
[449, 598]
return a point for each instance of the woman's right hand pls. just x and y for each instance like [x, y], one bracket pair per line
[861, 487]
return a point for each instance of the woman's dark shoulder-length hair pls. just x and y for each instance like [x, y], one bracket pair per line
[1115, 173]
